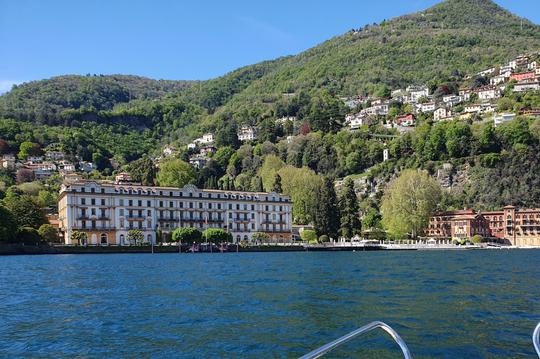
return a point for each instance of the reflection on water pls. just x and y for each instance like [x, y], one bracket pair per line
[478, 304]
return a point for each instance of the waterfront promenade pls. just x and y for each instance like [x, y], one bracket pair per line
[18, 248]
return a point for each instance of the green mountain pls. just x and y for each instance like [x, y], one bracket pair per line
[442, 43]
[59, 99]
[452, 38]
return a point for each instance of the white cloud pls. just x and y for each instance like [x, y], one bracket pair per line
[6, 85]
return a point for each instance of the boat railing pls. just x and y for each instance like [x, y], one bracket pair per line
[317, 353]
[536, 339]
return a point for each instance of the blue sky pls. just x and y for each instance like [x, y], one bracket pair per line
[169, 39]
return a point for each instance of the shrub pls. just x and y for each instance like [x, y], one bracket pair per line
[217, 235]
[477, 239]
[187, 235]
[261, 237]
[309, 235]
[324, 239]
[29, 235]
[48, 233]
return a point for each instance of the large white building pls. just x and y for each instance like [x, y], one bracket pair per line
[106, 211]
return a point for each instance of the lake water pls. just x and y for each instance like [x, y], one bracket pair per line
[475, 304]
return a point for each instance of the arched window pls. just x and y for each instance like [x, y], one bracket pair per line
[104, 238]
[149, 238]
[238, 238]
[122, 239]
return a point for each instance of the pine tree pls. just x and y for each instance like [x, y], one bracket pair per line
[326, 216]
[350, 221]
[277, 184]
[259, 184]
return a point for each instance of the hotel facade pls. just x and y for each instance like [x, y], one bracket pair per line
[106, 211]
[519, 227]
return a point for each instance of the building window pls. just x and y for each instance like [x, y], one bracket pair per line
[93, 201]
[104, 238]
[102, 202]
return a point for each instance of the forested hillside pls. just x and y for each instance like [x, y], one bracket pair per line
[297, 107]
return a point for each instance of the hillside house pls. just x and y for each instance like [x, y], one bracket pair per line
[426, 107]
[206, 139]
[442, 113]
[531, 75]
[486, 72]
[247, 133]
[533, 66]
[9, 161]
[417, 92]
[207, 150]
[65, 167]
[198, 161]
[503, 118]
[465, 94]
[377, 110]
[497, 80]
[527, 85]
[488, 93]
[55, 155]
[406, 121]
[479, 108]
[452, 100]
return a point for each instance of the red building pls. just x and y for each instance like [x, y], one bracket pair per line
[458, 225]
[523, 76]
[520, 227]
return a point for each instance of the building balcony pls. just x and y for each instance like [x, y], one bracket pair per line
[163, 219]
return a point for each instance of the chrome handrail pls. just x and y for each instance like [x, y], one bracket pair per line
[317, 353]
[536, 339]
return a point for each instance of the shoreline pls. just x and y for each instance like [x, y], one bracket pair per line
[7, 249]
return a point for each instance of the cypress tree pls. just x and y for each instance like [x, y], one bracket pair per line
[277, 184]
[326, 216]
[259, 184]
[350, 221]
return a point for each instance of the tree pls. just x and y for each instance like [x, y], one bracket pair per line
[477, 239]
[175, 173]
[8, 225]
[143, 170]
[187, 235]
[79, 238]
[371, 218]
[4, 146]
[28, 235]
[48, 233]
[408, 203]
[309, 235]
[326, 218]
[350, 221]
[27, 149]
[25, 209]
[217, 235]
[458, 139]
[135, 236]
[277, 184]
[100, 161]
[261, 237]
[25, 175]
[47, 199]
[271, 165]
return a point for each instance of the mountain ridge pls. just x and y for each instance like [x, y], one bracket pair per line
[430, 46]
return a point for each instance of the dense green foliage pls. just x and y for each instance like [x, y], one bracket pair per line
[409, 202]
[187, 235]
[217, 235]
[121, 123]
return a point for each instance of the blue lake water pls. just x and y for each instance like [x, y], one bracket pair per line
[476, 304]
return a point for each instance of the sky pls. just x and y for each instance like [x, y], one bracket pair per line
[178, 40]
